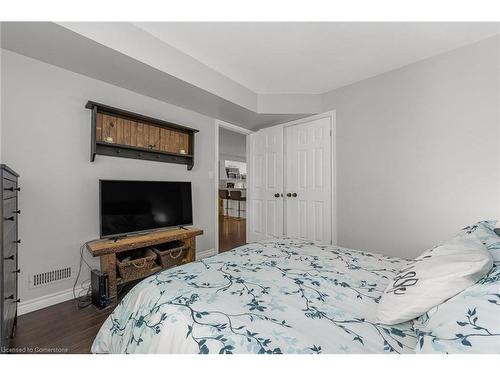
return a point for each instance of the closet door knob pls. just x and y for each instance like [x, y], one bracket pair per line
[9, 297]
[288, 195]
[10, 218]
[9, 258]
[17, 212]
[17, 300]
[16, 241]
[276, 195]
[294, 195]
[17, 271]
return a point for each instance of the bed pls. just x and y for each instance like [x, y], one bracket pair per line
[277, 296]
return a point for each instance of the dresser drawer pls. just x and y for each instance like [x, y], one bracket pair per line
[10, 295]
[9, 246]
[9, 316]
[9, 173]
[10, 260]
[9, 188]
[10, 278]
[10, 215]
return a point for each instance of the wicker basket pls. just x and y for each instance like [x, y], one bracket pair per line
[171, 254]
[137, 268]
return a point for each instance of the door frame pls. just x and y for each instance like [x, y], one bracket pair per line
[238, 129]
[333, 148]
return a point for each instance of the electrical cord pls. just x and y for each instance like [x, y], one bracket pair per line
[86, 299]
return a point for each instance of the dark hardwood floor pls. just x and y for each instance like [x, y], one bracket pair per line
[232, 233]
[62, 328]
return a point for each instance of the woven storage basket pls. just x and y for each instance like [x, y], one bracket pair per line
[172, 254]
[137, 268]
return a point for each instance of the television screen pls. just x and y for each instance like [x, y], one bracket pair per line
[135, 206]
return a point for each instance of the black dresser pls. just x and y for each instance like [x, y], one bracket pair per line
[8, 254]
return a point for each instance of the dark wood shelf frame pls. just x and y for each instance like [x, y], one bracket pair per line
[139, 136]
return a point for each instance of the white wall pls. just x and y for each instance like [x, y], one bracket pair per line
[232, 144]
[46, 139]
[418, 151]
[418, 155]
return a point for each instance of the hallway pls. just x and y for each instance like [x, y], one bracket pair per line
[232, 233]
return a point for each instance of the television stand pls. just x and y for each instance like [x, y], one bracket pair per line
[106, 250]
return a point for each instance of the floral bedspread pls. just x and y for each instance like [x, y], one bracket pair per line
[278, 296]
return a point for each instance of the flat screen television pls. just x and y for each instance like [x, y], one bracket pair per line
[137, 206]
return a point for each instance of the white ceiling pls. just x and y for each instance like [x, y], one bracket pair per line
[56, 45]
[312, 58]
[249, 74]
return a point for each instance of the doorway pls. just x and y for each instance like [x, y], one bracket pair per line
[231, 186]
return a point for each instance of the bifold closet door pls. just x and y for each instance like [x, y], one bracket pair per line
[308, 181]
[265, 202]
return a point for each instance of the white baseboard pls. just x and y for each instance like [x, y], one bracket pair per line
[65, 295]
[205, 254]
[44, 301]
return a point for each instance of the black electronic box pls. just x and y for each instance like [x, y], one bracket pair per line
[100, 293]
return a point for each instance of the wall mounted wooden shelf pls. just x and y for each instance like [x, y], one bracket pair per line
[116, 132]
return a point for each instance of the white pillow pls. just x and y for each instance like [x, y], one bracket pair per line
[432, 278]
[484, 231]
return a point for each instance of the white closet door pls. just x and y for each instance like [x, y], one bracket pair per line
[308, 181]
[265, 203]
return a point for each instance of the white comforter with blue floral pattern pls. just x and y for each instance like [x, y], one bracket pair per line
[279, 296]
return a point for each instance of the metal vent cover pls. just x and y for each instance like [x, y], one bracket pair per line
[50, 277]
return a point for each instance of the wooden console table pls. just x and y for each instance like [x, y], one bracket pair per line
[108, 248]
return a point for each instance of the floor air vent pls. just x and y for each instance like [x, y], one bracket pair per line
[49, 277]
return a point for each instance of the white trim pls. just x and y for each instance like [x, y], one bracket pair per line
[333, 119]
[498, 146]
[226, 125]
[66, 295]
[234, 128]
[248, 213]
[205, 254]
[45, 301]
[330, 114]
[216, 183]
